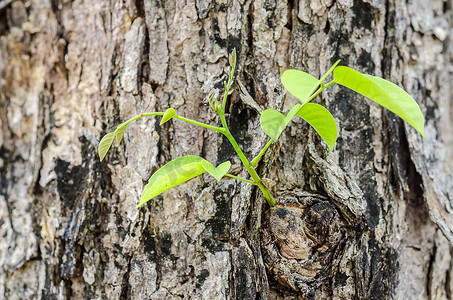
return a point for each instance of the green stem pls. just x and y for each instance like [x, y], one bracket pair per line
[140, 116]
[329, 71]
[227, 88]
[227, 133]
[258, 157]
[147, 115]
[330, 84]
[321, 82]
[218, 129]
[240, 178]
[246, 163]
[320, 90]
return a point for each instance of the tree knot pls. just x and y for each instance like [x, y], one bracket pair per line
[301, 236]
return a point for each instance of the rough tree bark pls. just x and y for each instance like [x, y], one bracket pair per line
[371, 220]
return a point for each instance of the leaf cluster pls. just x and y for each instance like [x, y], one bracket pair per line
[304, 87]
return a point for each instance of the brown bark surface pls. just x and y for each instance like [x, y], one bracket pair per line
[371, 220]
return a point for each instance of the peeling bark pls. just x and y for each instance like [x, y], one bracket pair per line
[371, 220]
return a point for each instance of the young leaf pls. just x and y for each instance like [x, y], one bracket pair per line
[105, 143]
[170, 175]
[232, 58]
[218, 172]
[273, 123]
[211, 97]
[119, 132]
[169, 113]
[384, 93]
[322, 121]
[299, 84]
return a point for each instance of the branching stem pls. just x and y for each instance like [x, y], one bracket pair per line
[314, 94]
[240, 178]
[258, 157]
[225, 131]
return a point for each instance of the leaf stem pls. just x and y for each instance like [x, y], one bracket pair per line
[147, 115]
[240, 178]
[138, 117]
[258, 157]
[218, 129]
[321, 82]
[320, 90]
[329, 71]
[330, 84]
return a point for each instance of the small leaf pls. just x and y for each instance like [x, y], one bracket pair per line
[170, 175]
[169, 113]
[105, 143]
[218, 172]
[299, 84]
[322, 121]
[384, 93]
[119, 132]
[232, 58]
[273, 122]
[210, 98]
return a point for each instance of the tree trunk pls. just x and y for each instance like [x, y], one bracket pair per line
[371, 220]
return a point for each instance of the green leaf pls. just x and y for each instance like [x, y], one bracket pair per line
[170, 175]
[105, 143]
[169, 113]
[273, 122]
[384, 93]
[299, 84]
[322, 121]
[232, 58]
[218, 172]
[119, 132]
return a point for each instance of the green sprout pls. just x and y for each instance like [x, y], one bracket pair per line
[301, 85]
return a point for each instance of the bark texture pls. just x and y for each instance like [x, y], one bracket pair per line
[371, 220]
